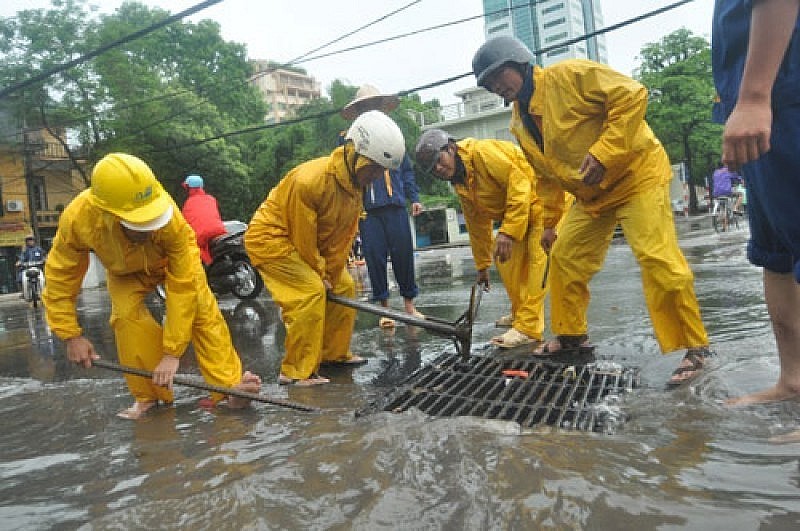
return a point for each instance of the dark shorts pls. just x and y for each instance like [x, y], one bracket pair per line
[773, 198]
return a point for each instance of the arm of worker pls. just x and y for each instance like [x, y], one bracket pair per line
[64, 270]
[410, 187]
[184, 275]
[302, 213]
[747, 131]
[600, 90]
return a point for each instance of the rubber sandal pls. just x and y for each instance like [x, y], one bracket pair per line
[568, 344]
[505, 322]
[418, 314]
[354, 361]
[314, 379]
[385, 322]
[697, 362]
[511, 339]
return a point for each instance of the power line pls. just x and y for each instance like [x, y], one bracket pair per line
[200, 90]
[434, 84]
[98, 51]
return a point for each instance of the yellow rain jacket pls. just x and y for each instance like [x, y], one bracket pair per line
[500, 186]
[133, 270]
[300, 236]
[587, 107]
[314, 210]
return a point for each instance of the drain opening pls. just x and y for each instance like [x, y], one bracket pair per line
[577, 395]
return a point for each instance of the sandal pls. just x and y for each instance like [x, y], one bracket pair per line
[505, 322]
[386, 322]
[565, 344]
[512, 338]
[352, 361]
[314, 379]
[697, 361]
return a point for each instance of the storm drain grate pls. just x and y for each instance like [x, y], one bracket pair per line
[531, 392]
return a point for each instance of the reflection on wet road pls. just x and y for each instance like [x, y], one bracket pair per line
[681, 460]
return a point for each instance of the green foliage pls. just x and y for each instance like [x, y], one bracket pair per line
[677, 70]
[161, 96]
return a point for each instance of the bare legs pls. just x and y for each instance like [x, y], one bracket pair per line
[782, 294]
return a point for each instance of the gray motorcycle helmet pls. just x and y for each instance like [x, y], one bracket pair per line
[496, 52]
[429, 147]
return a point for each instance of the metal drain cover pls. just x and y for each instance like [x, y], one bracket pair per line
[579, 394]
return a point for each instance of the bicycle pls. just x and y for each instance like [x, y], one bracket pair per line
[722, 215]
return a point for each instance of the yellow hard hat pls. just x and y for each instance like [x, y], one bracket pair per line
[125, 186]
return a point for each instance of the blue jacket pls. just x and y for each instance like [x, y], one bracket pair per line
[32, 254]
[403, 186]
[730, 37]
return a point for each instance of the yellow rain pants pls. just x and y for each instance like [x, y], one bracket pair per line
[522, 276]
[169, 256]
[139, 338]
[499, 185]
[668, 282]
[316, 330]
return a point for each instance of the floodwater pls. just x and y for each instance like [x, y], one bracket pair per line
[681, 460]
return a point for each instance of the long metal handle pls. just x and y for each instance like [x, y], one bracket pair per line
[460, 330]
[190, 382]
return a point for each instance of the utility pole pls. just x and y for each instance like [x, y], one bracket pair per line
[29, 149]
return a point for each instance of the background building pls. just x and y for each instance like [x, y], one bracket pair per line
[37, 180]
[284, 89]
[546, 23]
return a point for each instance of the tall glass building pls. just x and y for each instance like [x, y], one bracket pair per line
[543, 24]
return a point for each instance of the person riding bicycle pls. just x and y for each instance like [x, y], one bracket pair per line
[722, 192]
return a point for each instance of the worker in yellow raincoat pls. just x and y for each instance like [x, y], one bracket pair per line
[581, 126]
[494, 182]
[300, 237]
[137, 232]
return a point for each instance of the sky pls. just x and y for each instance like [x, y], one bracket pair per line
[282, 30]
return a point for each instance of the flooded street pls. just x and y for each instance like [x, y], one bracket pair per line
[681, 460]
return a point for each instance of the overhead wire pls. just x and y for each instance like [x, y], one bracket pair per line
[199, 90]
[102, 49]
[418, 88]
[451, 79]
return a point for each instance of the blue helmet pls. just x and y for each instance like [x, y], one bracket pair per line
[193, 181]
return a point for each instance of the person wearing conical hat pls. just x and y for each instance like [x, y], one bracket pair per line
[384, 228]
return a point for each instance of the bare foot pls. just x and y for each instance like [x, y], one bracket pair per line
[251, 383]
[137, 410]
[773, 394]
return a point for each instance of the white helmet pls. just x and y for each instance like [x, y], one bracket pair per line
[378, 138]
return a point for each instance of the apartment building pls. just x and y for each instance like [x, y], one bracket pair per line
[284, 89]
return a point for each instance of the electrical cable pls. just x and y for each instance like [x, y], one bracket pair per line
[434, 84]
[97, 51]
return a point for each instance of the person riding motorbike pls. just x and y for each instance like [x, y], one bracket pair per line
[202, 213]
[31, 254]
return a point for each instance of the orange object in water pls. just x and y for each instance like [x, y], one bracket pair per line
[515, 372]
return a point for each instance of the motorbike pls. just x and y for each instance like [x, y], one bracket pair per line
[32, 281]
[230, 270]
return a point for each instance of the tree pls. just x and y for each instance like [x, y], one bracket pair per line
[677, 70]
[154, 97]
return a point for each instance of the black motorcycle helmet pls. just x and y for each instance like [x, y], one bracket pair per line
[497, 52]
